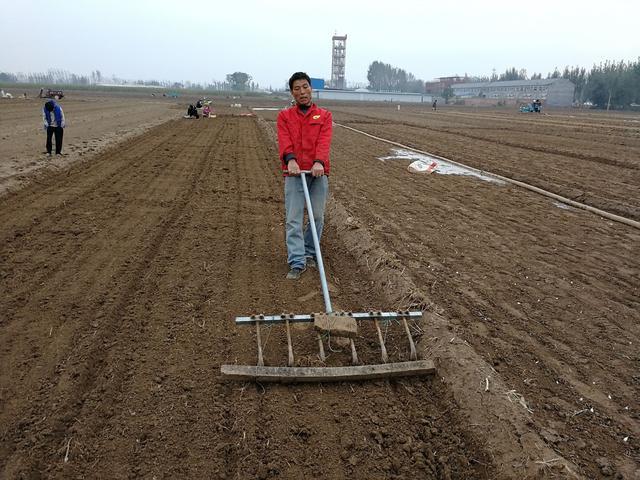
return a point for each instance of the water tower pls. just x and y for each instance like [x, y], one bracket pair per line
[337, 61]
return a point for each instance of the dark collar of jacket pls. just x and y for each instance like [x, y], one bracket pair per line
[313, 107]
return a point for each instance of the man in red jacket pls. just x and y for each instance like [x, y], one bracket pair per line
[304, 138]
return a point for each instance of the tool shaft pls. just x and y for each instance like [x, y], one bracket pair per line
[316, 243]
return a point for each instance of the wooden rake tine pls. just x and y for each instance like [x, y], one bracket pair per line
[260, 358]
[385, 358]
[414, 355]
[354, 354]
[289, 344]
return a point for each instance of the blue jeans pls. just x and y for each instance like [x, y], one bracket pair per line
[299, 239]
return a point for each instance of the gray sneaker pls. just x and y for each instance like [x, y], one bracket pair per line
[294, 273]
[311, 262]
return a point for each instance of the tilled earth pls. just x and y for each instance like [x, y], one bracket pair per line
[94, 121]
[121, 277]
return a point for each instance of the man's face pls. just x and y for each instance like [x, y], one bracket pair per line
[301, 91]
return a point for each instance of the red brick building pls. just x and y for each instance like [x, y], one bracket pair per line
[438, 85]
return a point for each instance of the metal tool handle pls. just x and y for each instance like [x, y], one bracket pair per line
[316, 242]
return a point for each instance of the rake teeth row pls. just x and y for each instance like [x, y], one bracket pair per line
[287, 318]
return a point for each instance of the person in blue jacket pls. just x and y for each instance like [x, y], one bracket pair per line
[54, 124]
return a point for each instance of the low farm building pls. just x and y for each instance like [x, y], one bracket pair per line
[362, 95]
[556, 92]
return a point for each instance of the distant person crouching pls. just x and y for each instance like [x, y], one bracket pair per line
[192, 112]
[54, 124]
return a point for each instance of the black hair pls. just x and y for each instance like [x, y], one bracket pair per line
[49, 106]
[298, 76]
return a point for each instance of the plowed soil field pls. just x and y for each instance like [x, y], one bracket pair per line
[121, 274]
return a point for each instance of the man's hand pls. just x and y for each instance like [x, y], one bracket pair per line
[293, 168]
[317, 170]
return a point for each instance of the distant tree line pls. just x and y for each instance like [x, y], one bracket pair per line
[52, 76]
[385, 77]
[610, 84]
[237, 81]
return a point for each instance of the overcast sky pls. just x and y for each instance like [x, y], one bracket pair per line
[204, 40]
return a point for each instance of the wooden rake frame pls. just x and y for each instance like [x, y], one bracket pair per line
[263, 373]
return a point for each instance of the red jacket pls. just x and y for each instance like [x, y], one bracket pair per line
[306, 136]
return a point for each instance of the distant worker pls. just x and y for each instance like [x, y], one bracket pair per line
[304, 140]
[192, 112]
[537, 105]
[206, 111]
[54, 124]
[434, 105]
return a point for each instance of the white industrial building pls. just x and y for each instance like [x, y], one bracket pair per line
[556, 92]
[362, 95]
